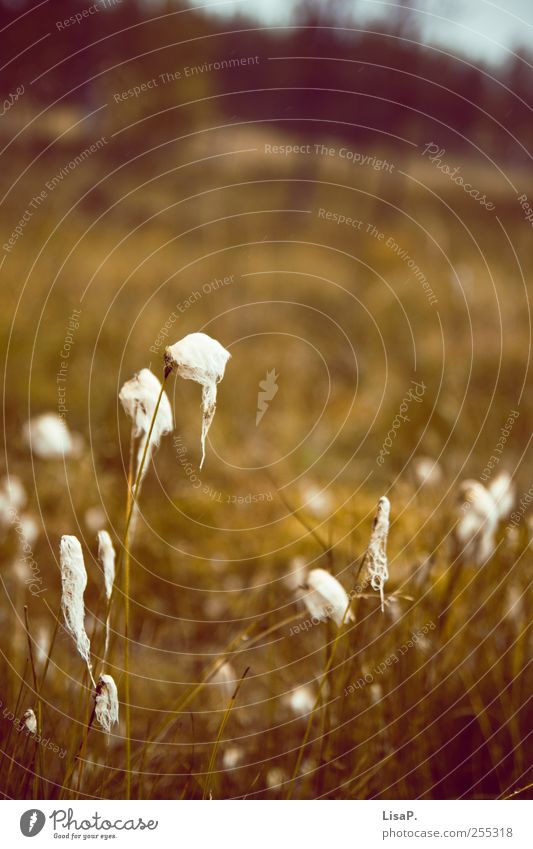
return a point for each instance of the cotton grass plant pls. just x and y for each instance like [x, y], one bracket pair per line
[200, 358]
[328, 600]
[73, 584]
[196, 357]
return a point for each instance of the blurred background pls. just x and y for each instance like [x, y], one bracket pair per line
[341, 193]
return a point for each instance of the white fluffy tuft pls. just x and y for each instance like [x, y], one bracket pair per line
[48, 437]
[376, 554]
[106, 556]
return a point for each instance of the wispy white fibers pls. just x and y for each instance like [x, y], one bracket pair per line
[106, 556]
[226, 677]
[106, 702]
[376, 554]
[479, 514]
[73, 582]
[48, 437]
[326, 598]
[200, 358]
[139, 397]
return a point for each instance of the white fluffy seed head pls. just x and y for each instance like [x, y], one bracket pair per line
[232, 757]
[427, 472]
[226, 677]
[106, 556]
[317, 500]
[48, 437]
[326, 598]
[12, 499]
[30, 721]
[12, 487]
[478, 517]
[139, 397]
[376, 554]
[200, 358]
[502, 490]
[106, 702]
[302, 700]
[296, 573]
[73, 582]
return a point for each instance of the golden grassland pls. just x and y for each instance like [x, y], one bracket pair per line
[347, 327]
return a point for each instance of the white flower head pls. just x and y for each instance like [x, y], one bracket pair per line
[301, 700]
[232, 757]
[326, 598]
[106, 702]
[276, 777]
[227, 679]
[478, 521]
[73, 582]
[94, 518]
[376, 554]
[139, 397]
[427, 472]
[200, 358]
[502, 490]
[106, 556]
[12, 487]
[30, 721]
[318, 500]
[12, 498]
[48, 437]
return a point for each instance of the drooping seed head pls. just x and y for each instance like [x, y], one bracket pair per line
[106, 702]
[325, 598]
[200, 358]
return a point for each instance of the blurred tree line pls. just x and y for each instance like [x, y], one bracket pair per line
[345, 81]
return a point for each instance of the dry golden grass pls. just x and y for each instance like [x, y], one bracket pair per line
[448, 717]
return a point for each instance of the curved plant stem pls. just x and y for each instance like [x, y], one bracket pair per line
[125, 556]
[39, 772]
[323, 680]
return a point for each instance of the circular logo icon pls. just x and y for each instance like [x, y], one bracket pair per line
[32, 822]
